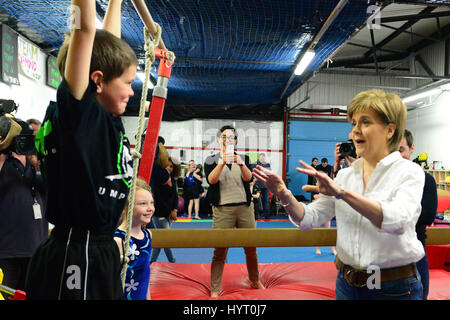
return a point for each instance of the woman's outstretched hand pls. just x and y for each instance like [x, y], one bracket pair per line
[276, 185]
[325, 184]
[271, 180]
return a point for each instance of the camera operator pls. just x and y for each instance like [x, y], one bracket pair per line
[343, 151]
[22, 202]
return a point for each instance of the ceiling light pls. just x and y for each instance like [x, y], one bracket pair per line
[304, 62]
[445, 87]
[422, 95]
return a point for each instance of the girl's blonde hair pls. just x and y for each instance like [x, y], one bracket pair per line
[389, 108]
[140, 185]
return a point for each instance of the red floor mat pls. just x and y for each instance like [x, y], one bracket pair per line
[439, 285]
[283, 281]
[439, 263]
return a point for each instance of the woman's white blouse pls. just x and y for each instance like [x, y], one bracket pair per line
[397, 184]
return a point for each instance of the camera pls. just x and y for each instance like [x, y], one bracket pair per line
[16, 137]
[7, 106]
[347, 149]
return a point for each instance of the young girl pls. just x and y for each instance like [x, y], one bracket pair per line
[137, 282]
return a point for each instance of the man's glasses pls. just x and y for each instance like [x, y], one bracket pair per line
[229, 138]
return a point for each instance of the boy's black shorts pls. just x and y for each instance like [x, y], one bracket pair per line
[46, 280]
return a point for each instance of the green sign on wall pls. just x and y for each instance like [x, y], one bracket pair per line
[9, 65]
[53, 75]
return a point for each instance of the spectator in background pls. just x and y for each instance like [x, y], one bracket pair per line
[325, 167]
[427, 215]
[22, 207]
[166, 206]
[265, 200]
[256, 195]
[160, 174]
[229, 177]
[201, 190]
[192, 189]
[34, 124]
[311, 180]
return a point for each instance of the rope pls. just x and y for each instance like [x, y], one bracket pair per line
[170, 56]
[150, 58]
[151, 45]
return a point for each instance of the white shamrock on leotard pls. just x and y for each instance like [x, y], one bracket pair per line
[133, 252]
[131, 286]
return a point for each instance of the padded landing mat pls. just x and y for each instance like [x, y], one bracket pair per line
[439, 285]
[283, 281]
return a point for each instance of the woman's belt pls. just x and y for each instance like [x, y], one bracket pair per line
[358, 277]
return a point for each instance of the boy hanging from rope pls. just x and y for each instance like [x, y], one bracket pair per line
[85, 161]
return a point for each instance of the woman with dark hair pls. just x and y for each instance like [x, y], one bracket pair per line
[201, 190]
[166, 206]
[229, 175]
[192, 189]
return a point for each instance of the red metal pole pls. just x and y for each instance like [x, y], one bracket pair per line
[285, 133]
[155, 116]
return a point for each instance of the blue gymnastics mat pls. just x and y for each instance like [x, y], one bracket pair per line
[236, 255]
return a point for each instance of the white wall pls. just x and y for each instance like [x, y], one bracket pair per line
[197, 138]
[339, 90]
[430, 127]
[31, 95]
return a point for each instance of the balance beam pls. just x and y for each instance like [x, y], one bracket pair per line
[277, 237]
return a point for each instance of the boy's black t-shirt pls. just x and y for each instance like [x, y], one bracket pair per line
[87, 166]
